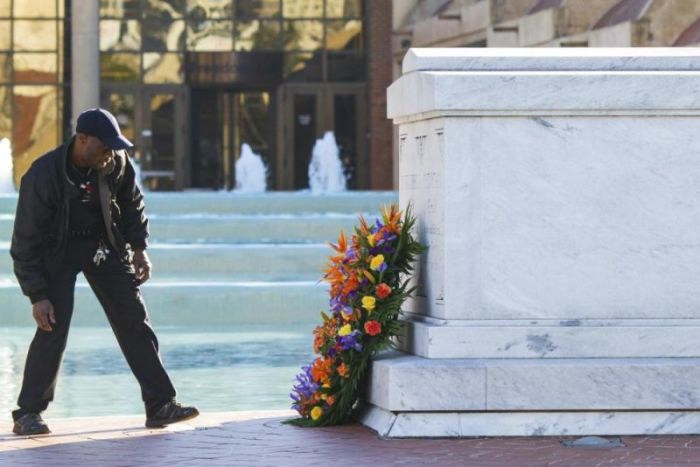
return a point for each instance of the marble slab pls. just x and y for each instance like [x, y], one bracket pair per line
[565, 218]
[432, 94]
[552, 59]
[476, 424]
[403, 382]
[568, 340]
[408, 383]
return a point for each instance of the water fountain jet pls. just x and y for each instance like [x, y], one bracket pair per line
[326, 169]
[7, 184]
[251, 173]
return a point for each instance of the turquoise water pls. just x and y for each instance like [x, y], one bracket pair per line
[246, 367]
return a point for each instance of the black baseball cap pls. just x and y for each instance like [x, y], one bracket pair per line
[102, 124]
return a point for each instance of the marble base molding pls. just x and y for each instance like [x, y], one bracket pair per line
[477, 424]
[552, 339]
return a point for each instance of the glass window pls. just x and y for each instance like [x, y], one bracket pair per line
[5, 8]
[210, 36]
[34, 9]
[201, 10]
[34, 35]
[5, 68]
[120, 8]
[35, 124]
[303, 66]
[258, 35]
[5, 28]
[257, 8]
[5, 113]
[167, 9]
[123, 107]
[35, 67]
[253, 121]
[160, 36]
[345, 128]
[344, 35]
[346, 67]
[162, 154]
[303, 35]
[119, 35]
[122, 67]
[343, 8]
[61, 48]
[163, 68]
[303, 9]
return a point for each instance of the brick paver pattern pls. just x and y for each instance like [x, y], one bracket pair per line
[259, 438]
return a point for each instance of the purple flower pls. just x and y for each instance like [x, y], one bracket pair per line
[351, 341]
[350, 255]
[305, 386]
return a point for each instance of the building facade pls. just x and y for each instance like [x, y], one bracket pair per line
[190, 81]
[544, 23]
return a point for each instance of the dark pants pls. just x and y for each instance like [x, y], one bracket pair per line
[113, 284]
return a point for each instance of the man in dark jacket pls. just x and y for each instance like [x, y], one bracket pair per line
[80, 210]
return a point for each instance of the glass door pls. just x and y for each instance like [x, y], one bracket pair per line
[153, 119]
[163, 139]
[222, 121]
[308, 113]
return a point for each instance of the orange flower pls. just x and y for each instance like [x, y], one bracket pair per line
[373, 327]
[351, 285]
[383, 290]
[323, 333]
[343, 370]
[342, 245]
[321, 370]
[364, 228]
[391, 216]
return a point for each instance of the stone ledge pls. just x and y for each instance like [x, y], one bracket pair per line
[541, 93]
[551, 59]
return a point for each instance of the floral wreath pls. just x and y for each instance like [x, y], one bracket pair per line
[369, 281]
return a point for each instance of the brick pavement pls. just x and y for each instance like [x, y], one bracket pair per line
[258, 438]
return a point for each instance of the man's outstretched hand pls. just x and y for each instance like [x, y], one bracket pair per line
[43, 314]
[142, 266]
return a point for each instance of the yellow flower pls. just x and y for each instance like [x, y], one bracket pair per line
[377, 262]
[371, 239]
[369, 302]
[316, 413]
[345, 330]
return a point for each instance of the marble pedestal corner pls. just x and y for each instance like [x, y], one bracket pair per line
[558, 192]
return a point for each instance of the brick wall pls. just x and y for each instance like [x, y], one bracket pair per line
[379, 59]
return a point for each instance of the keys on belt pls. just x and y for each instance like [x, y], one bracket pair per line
[101, 253]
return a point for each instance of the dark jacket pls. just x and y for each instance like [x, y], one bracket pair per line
[41, 233]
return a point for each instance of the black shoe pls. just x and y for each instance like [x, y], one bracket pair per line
[30, 424]
[171, 412]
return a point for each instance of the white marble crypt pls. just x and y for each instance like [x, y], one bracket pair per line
[559, 193]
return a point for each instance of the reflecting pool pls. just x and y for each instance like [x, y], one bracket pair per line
[247, 367]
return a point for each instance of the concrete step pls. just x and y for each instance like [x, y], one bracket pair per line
[184, 303]
[235, 203]
[247, 228]
[227, 262]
